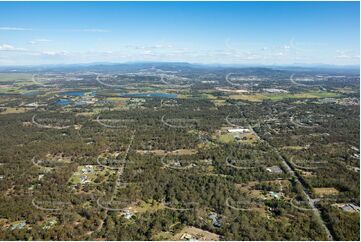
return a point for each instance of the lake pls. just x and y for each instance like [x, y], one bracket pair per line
[152, 94]
[74, 93]
[63, 102]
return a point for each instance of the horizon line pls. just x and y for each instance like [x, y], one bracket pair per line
[185, 62]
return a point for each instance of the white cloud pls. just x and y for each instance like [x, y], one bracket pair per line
[94, 30]
[55, 53]
[37, 41]
[156, 52]
[7, 47]
[153, 47]
[346, 54]
[14, 29]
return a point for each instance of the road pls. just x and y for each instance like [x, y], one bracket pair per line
[304, 85]
[48, 126]
[117, 180]
[305, 191]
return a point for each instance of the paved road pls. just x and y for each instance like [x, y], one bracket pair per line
[306, 194]
[117, 179]
[121, 168]
[304, 85]
[48, 126]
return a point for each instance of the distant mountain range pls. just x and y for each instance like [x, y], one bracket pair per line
[134, 66]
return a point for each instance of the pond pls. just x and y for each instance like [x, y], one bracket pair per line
[8, 94]
[152, 94]
[73, 93]
[63, 102]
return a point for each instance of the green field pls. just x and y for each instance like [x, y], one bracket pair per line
[5, 77]
[258, 97]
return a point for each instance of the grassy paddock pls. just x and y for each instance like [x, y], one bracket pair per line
[258, 97]
[5, 77]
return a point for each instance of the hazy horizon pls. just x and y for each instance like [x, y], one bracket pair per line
[231, 33]
[240, 65]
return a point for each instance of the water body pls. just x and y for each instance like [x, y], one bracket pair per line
[9, 94]
[74, 93]
[153, 94]
[63, 102]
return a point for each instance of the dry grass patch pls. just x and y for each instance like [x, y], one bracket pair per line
[346, 90]
[142, 207]
[248, 138]
[325, 191]
[16, 110]
[251, 98]
[196, 234]
[307, 174]
[86, 114]
[219, 102]
[164, 152]
[250, 188]
[293, 147]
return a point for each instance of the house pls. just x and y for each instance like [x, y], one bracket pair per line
[216, 221]
[274, 169]
[274, 90]
[87, 169]
[210, 82]
[84, 179]
[208, 161]
[18, 225]
[169, 103]
[274, 195]
[238, 130]
[356, 156]
[35, 104]
[176, 163]
[50, 223]
[350, 208]
[128, 214]
[31, 187]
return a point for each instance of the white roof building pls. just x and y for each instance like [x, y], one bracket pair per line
[238, 130]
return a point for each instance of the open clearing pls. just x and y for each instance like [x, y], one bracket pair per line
[5, 77]
[228, 138]
[15, 110]
[294, 147]
[196, 234]
[164, 152]
[324, 191]
[142, 207]
[259, 97]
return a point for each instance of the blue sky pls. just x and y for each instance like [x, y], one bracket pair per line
[197, 32]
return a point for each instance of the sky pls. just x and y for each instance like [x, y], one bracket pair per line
[266, 33]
